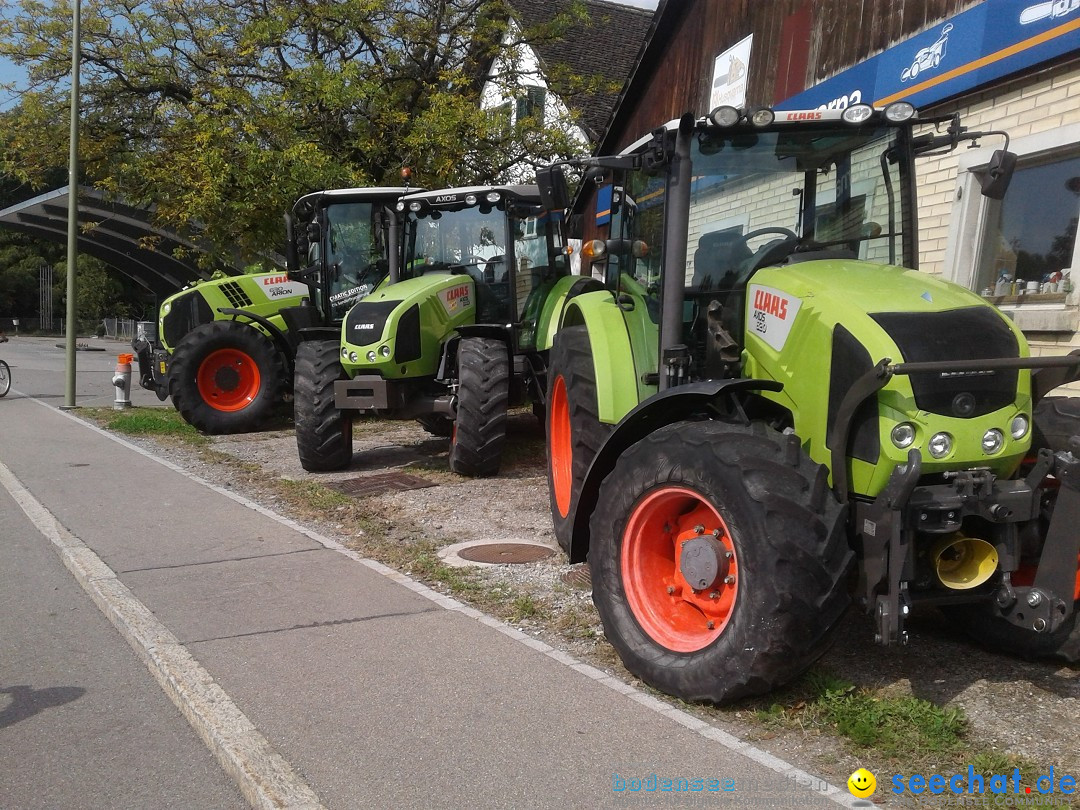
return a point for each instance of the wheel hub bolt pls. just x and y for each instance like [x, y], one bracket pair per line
[729, 580]
[699, 529]
[1039, 625]
[1034, 599]
[714, 595]
[710, 624]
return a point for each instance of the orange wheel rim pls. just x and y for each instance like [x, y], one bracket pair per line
[228, 380]
[562, 449]
[665, 604]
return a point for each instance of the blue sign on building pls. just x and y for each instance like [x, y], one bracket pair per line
[994, 39]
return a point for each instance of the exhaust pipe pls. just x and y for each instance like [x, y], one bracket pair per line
[963, 562]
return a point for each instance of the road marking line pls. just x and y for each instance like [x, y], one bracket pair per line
[801, 778]
[264, 777]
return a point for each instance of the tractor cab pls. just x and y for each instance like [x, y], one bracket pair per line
[500, 237]
[343, 243]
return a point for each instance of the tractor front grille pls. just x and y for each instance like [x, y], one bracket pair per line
[186, 312]
[974, 333]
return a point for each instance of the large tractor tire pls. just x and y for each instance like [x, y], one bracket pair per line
[1057, 421]
[479, 431]
[719, 560]
[574, 430]
[323, 432]
[226, 377]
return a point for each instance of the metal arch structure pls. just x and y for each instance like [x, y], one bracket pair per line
[119, 234]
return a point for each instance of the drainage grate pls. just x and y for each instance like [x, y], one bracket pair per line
[368, 485]
[578, 577]
[506, 553]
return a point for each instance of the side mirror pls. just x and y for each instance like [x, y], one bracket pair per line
[554, 193]
[998, 174]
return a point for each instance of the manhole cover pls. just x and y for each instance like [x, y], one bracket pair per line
[506, 553]
[578, 577]
[367, 485]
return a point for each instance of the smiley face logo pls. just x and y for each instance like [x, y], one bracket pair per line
[862, 783]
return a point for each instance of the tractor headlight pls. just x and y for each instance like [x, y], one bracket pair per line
[1019, 426]
[345, 352]
[941, 444]
[384, 351]
[762, 117]
[371, 356]
[899, 111]
[353, 357]
[903, 435]
[725, 116]
[857, 113]
[992, 441]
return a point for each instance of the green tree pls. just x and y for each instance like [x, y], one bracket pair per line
[223, 113]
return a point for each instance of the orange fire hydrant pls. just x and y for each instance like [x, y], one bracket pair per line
[122, 382]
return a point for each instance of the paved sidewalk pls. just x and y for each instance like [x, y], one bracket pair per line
[367, 689]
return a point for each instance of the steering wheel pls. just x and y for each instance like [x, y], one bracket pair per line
[762, 231]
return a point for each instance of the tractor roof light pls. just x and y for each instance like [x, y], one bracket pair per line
[400, 206]
[493, 197]
[725, 116]
[470, 199]
[762, 117]
[415, 206]
[1019, 426]
[857, 113]
[899, 111]
[593, 250]
[941, 444]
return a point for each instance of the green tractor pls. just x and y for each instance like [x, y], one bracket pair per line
[769, 412]
[454, 339]
[224, 347]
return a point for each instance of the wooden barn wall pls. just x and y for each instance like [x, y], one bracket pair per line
[797, 43]
[677, 74]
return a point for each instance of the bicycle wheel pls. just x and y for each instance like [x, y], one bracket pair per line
[5, 378]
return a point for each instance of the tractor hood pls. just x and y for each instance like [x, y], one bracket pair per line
[818, 325]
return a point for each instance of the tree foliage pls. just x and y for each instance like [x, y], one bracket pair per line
[223, 112]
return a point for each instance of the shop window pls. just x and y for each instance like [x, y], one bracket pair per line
[1029, 237]
[1021, 252]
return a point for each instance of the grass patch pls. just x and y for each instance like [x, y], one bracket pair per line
[156, 422]
[890, 732]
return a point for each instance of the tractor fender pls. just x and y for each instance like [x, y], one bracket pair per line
[562, 292]
[702, 400]
[613, 353]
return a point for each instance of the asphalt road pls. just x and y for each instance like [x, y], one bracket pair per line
[313, 677]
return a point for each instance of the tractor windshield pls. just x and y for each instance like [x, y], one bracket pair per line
[470, 239]
[355, 254]
[761, 197]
